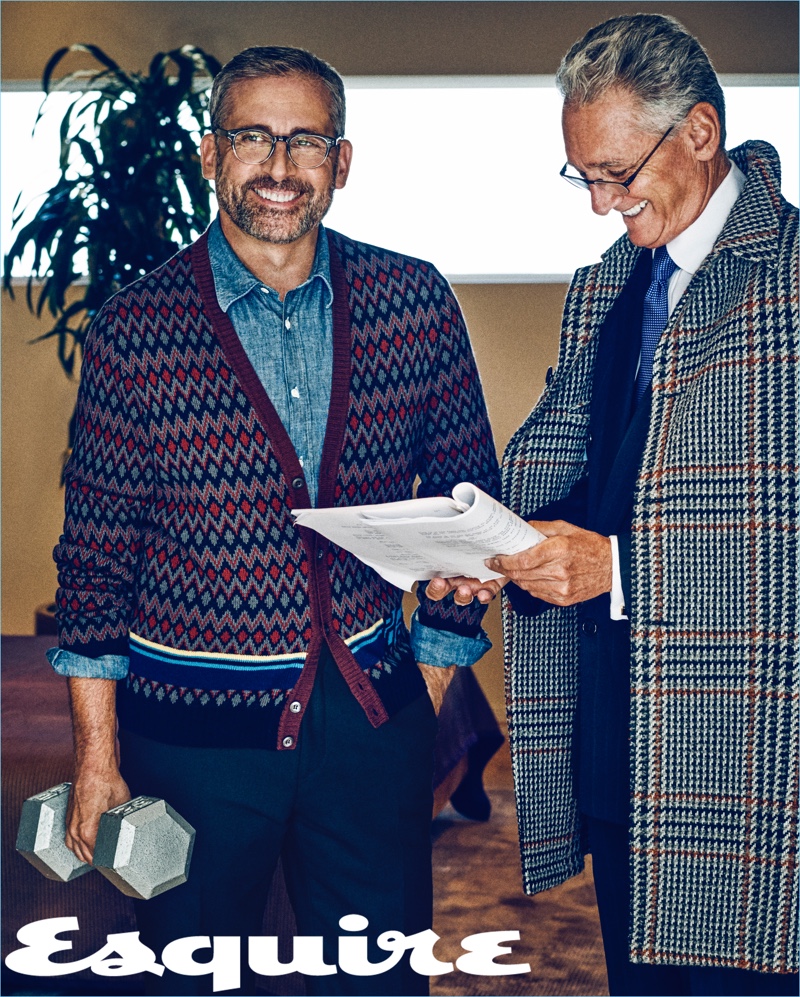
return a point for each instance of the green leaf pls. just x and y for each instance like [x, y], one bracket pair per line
[94, 51]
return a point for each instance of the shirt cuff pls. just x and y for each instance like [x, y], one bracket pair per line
[109, 666]
[617, 595]
[443, 648]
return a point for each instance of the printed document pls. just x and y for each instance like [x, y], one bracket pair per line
[428, 537]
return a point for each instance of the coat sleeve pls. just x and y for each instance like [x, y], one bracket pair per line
[572, 509]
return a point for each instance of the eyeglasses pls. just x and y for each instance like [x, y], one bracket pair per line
[615, 186]
[255, 145]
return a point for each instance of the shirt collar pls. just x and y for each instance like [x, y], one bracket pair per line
[693, 245]
[232, 279]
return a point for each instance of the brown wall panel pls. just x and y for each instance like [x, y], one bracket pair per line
[377, 38]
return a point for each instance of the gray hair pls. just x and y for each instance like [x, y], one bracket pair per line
[276, 60]
[654, 58]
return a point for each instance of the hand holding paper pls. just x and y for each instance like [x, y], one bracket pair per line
[426, 538]
[464, 589]
[574, 565]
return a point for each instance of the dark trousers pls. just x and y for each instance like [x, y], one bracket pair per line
[349, 810]
[608, 844]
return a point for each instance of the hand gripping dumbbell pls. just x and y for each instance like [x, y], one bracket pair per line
[143, 847]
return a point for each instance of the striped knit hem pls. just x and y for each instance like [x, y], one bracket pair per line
[229, 700]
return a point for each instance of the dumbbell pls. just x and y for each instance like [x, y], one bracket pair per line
[143, 847]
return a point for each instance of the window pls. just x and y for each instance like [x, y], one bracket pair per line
[460, 171]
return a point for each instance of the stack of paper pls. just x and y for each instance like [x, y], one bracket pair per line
[426, 538]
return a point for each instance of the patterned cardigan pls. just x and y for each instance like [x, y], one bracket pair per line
[714, 621]
[179, 548]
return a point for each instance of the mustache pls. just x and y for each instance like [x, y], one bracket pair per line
[292, 184]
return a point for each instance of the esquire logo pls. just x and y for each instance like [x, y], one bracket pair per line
[124, 955]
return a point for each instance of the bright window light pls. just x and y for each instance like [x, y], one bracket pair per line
[463, 172]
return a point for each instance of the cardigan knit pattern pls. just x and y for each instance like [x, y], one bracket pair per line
[179, 548]
[714, 617]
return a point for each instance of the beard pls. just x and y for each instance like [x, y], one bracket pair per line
[257, 218]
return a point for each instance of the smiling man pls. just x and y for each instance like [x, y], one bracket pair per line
[661, 613]
[653, 637]
[263, 679]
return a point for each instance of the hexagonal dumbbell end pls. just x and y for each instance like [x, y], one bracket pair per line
[40, 839]
[144, 847]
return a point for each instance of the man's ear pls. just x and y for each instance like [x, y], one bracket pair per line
[704, 131]
[208, 156]
[344, 159]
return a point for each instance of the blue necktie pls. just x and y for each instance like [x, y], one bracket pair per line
[654, 315]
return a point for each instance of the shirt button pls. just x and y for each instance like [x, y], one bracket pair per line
[287, 742]
[265, 290]
[297, 483]
[589, 627]
[295, 707]
[288, 324]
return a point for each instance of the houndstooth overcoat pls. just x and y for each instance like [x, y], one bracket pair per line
[714, 621]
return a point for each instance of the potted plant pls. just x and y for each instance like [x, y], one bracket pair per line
[130, 189]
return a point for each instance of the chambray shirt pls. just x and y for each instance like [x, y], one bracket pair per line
[289, 342]
[290, 345]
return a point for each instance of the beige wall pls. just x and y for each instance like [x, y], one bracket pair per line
[514, 327]
[37, 401]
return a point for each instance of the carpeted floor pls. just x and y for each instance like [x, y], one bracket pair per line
[478, 889]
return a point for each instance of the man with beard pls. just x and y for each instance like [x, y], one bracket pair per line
[263, 680]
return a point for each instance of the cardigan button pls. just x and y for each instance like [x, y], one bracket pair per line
[295, 707]
[287, 742]
[297, 483]
[589, 627]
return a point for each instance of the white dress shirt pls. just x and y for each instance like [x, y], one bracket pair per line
[687, 250]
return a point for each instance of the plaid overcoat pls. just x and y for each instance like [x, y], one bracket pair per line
[714, 629]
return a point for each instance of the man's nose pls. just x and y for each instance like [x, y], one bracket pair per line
[605, 197]
[279, 164]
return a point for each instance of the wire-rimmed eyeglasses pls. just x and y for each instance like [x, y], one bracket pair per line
[255, 145]
[615, 186]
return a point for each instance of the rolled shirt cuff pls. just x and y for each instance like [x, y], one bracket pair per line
[443, 648]
[617, 595]
[109, 666]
